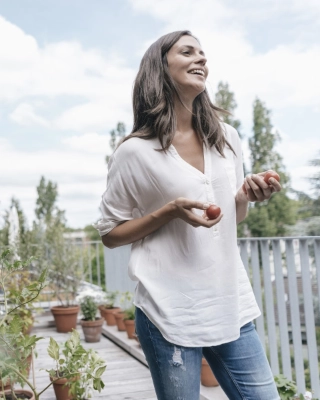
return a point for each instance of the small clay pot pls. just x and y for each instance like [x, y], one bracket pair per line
[7, 386]
[65, 317]
[107, 314]
[61, 390]
[130, 327]
[92, 330]
[119, 315]
[207, 377]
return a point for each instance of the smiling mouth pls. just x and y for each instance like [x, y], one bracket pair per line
[196, 72]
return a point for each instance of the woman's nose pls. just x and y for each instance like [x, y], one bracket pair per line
[202, 60]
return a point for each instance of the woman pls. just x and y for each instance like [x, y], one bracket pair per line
[193, 295]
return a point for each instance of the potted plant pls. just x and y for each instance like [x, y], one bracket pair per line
[91, 324]
[77, 371]
[207, 377]
[125, 302]
[65, 274]
[129, 316]
[16, 347]
[288, 389]
[84, 366]
[107, 307]
[14, 288]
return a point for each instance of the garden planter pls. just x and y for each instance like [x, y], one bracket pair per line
[119, 315]
[207, 377]
[130, 327]
[7, 386]
[107, 314]
[65, 318]
[20, 394]
[61, 390]
[92, 330]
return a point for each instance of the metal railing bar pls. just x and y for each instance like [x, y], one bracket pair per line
[269, 303]
[257, 289]
[295, 317]
[309, 316]
[282, 312]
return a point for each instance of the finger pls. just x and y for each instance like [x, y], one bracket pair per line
[189, 204]
[244, 188]
[264, 187]
[275, 185]
[196, 221]
[254, 190]
[212, 222]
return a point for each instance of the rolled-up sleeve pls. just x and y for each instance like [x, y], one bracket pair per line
[119, 199]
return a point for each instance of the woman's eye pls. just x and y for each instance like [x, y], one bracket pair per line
[186, 52]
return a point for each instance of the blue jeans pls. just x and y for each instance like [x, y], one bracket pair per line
[241, 367]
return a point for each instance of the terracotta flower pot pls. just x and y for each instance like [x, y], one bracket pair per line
[119, 315]
[130, 327]
[65, 317]
[107, 314]
[7, 386]
[61, 390]
[92, 329]
[207, 377]
[25, 393]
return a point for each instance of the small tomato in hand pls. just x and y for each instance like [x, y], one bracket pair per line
[213, 212]
[271, 174]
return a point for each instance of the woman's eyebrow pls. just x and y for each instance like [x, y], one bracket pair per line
[192, 48]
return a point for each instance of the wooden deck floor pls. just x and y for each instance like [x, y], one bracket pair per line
[125, 377]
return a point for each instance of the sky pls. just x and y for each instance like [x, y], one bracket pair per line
[67, 70]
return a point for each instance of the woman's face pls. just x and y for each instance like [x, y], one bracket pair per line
[187, 65]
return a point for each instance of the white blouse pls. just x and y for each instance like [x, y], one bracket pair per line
[192, 283]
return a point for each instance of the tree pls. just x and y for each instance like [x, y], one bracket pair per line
[225, 100]
[272, 217]
[315, 183]
[46, 209]
[116, 136]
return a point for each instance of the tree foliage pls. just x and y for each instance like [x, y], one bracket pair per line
[46, 208]
[116, 135]
[268, 218]
[315, 183]
[225, 99]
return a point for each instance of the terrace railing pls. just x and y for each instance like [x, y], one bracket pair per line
[285, 275]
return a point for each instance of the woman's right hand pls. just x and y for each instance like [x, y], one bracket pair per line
[182, 208]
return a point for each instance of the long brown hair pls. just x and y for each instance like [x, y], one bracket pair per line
[153, 105]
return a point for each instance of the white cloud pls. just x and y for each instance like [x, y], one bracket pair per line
[63, 69]
[81, 178]
[25, 114]
[94, 115]
[89, 143]
[283, 77]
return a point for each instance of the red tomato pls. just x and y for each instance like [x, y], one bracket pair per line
[271, 174]
[213, 212]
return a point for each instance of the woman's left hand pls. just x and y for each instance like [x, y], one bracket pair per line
[256, 189]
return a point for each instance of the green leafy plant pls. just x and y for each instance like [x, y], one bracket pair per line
[126, 300]
[89, 308]
[110, 298]
[16, 348]
[287, 389]
[83, 368]
[129, 313]
[65, 272]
